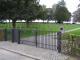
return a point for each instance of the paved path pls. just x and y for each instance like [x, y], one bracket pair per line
[6, 55]
[32, 52]
[72, 30]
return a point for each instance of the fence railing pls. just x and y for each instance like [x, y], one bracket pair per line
[43, 39]
[65, 43]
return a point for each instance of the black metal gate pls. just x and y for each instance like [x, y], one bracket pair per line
[42, 39]
[64, 43]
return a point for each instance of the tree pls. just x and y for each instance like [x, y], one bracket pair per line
[49, 13]
[42, 13]
[62, 3]
[10, 9]
[76, 15]
[18, 9]
[54, 8]
[61, 14]
[33, 11]
[30, 10]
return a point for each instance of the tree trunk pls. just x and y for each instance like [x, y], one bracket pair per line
[27, 23]
[47, 21]
[55, 21]
[43, 21]
[60, 22]
[9, 20]
[14, 23]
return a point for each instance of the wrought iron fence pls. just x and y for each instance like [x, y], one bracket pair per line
[65, 43]
[42, 39]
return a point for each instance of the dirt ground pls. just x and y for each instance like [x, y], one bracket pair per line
[73, 58]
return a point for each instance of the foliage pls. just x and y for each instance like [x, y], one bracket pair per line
[42, 13]
[76, 15]
[18, 9]
[50, 13]
[61, 13]
[71, 44]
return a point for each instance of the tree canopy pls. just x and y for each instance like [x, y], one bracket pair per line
[19, 9]
[76, 15]
[61, 14]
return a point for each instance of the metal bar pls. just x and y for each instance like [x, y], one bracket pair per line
[5, 34]
[36, 37]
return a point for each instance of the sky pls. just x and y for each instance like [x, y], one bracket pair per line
[72, 5]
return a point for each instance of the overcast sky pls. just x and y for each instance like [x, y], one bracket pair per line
[72, 5]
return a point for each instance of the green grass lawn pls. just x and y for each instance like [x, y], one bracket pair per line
[76, 32]
[28, 31]
[41, 26]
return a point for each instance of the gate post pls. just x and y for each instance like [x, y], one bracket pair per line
[36, 38]
[5, 34]
[16, 36]
[12, 35]
[59, 42]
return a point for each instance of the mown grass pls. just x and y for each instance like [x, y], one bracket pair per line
[76, 32]
[41, 26]
[29, 30]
